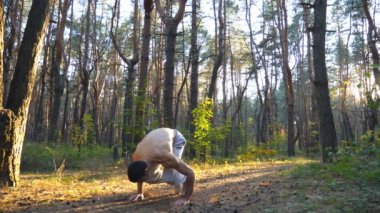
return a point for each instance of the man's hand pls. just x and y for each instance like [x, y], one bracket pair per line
[136, 197]
[181, 202]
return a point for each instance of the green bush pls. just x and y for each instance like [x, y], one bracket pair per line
[37, 157]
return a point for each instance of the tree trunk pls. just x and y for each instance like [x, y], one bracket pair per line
[56, 72]
[171, 38]
[372, 38]
[128, 118]
[194, 54]
[141, 101]
[287, 75]
[40, 124]
[65, 118]
[220, 54]
[9, 46]
[313, 123]
[326, 121]
[2, 24]
[85, 75]
[14, 117]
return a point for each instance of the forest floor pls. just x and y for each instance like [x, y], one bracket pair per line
[238, 187]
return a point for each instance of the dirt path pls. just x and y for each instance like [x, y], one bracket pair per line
[235, 188]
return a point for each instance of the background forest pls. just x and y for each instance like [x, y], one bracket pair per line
[241, 79]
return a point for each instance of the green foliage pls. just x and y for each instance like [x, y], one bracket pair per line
[204, 133]
[78, 137]
[202, 116]
[90, 129]
[39, 157]
[86, 135]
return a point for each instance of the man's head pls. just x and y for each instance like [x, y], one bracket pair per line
[137, 170]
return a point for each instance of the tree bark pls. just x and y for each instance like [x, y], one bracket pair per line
[326, 121]
[14, 117]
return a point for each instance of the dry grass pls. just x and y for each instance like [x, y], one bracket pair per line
[68, 187]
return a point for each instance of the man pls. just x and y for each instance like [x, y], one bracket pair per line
[162, 147]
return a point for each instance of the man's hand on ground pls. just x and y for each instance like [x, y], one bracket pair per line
[136, 197]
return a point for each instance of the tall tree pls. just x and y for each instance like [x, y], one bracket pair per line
[171, 26]
[144, 73]
[313, 123]
[13, 117]
[65, 117]
[57, 59]
[372, 39]
[85, 68]
[194, 54]
[326, 121]
[282, 24]
[40, 117]
[12, 41]
[128, 124]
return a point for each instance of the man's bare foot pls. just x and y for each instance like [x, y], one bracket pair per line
[136, 197]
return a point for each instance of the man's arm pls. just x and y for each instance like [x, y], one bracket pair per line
[140, 187]
[140, 194]
[188, 186]
[170, 161]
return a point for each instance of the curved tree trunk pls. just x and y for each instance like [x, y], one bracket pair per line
[56, 72]
[171, 38]
[128, 118]
[14, 117]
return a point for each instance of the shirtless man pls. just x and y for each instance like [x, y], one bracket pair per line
[162, 147]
